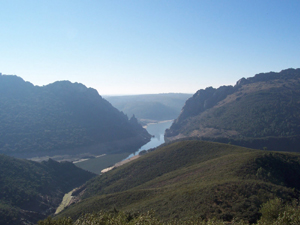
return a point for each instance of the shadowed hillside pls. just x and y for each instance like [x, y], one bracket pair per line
[61, 118]
[30, 191]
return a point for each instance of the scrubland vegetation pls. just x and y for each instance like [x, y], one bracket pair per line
[194, 179]
[273, 212]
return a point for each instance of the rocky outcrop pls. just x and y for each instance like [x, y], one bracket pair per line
[201, 101]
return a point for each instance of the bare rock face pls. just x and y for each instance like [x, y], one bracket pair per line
[203, 100]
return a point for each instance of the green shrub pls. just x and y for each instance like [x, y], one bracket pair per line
[120, 218]
[277, 212]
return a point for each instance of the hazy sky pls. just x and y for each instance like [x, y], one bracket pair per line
[147, 46]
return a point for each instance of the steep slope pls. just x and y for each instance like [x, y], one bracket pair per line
[61, 118]
[151, 106]
[195, 179]
[30, 191]
[253, 113]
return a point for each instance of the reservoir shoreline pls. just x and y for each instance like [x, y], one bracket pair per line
[110, 161]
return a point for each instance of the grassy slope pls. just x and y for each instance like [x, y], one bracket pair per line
[194, 178]
[32, 190]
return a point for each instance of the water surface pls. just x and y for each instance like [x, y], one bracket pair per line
[158, 130]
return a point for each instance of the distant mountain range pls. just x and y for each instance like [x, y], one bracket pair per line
[30, 191]
[259, 112]
[156, 107]
[62, 118]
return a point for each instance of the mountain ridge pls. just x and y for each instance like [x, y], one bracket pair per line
[262, 106]
[60, 117]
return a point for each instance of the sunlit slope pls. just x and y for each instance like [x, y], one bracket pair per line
[258, 112]
[195, 178]
[30, 191]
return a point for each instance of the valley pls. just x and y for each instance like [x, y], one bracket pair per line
[150, 108]
[149, 112]
[229, 153]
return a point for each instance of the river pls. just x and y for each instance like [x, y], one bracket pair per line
[106, 162]
[158, 130]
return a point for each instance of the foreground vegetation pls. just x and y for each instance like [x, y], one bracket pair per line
[273, 212]
[194, 179]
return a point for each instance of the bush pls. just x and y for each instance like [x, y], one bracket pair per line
[277, 212]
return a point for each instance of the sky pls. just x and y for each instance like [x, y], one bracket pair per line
[147, 46]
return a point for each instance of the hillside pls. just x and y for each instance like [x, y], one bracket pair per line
[30, 191]
[259, 112]
[62, 118]
[149, 107]
[194, 179]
